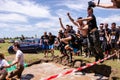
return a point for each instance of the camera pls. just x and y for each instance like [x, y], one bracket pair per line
[91, 4]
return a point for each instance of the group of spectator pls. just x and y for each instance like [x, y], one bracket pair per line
[87, 33]
[109, 38]
[89, 38]
[47, 42]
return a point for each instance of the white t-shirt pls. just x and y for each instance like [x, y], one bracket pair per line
[3, 62]
[19, 53]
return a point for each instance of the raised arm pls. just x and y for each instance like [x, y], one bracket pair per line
[61, 24]
[113, 5]
[85, 19]
[106, 6]
[72, 20]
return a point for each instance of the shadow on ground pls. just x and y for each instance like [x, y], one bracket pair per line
[97, 69]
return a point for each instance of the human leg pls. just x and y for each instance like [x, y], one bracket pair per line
[3, 74]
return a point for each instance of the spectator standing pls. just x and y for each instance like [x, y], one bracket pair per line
[102, 36]
[44, 42]
[51, 43]
[114, 37]
[107, 39]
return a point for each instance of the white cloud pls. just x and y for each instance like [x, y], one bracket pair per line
[47, 24]
[110, 19]
[63, 15]
[43, 25]
[24, 28]
[16, 27]
[105, 1]
[12, 18]
[25, 7]
[75, 5]
[3, 25]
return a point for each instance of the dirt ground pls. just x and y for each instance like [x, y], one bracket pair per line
[44, 70]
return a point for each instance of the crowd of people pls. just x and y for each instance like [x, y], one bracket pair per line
[100, 43]
[89, 39]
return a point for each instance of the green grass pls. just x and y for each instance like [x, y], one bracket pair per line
[113, 63]
[4, 47]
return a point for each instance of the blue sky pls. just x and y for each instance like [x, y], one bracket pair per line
[33, 17]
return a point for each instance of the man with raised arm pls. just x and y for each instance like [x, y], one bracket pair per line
[93, 34]
[83, 28]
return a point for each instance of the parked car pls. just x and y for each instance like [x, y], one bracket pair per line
[11, 41]
[28, 45]
[18, 41]
[2, 41]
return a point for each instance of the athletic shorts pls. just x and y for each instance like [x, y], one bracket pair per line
[45, 47]
[51, 46]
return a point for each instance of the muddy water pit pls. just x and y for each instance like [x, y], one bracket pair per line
[44, 70]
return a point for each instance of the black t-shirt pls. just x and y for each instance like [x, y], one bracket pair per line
[108, 31]
[45, 39]
[92, 23]
[51, 39]
[74, 42]
[114, 35]
[72, 31]
[102, 35]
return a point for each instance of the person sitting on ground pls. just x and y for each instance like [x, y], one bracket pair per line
[3, 65]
